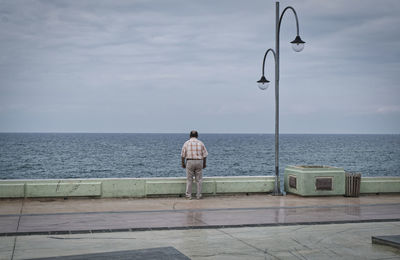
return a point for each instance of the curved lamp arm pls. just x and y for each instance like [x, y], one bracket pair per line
[295, 15]
[263, 83]
[265, 56]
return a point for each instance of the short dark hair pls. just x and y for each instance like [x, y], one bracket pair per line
[194, 133]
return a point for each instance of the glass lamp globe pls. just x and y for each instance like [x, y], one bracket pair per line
[298, 44]
[297, 47]
[263, 83]
[263, 86]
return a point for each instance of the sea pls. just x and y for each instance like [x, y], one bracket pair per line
[108, 155]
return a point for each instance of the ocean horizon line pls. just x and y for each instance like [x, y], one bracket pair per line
[213, 133]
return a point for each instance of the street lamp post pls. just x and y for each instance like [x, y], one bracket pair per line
[263, 83]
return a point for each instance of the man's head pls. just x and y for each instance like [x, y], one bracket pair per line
[194, 133]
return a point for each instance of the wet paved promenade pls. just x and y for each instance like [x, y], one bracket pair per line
[58, 216]
[229, 227]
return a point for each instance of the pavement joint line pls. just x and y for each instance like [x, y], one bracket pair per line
[391, 240]
[16, 230]
[139, 229]
[199, 210]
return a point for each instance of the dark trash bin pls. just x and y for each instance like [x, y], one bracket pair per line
[353, 183]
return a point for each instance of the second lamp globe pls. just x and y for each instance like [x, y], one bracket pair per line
[263, 83]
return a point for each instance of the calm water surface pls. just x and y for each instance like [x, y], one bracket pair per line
[36, 155]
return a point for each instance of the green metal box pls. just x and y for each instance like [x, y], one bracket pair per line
[314, 180]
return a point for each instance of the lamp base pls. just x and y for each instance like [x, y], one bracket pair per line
[277, 193]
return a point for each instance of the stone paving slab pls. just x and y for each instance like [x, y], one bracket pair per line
[64, 223]
[59, 216]
[8, 224]
[293, 242]
[60, 205]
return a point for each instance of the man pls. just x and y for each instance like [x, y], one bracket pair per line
[195, 154]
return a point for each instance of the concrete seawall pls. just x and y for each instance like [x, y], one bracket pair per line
[131, 187]
[153, 187]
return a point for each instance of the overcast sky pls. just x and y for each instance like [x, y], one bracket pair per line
[172, 66]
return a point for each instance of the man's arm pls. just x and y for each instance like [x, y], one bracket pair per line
[183, 162]
[204, 162]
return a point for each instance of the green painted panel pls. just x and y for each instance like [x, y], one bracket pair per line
[9, 190]
[126, 187]
[380, 185]
[163, 187]
[241, 186]
[60, 189]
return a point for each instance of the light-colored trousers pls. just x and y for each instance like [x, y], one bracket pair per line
[194, 168]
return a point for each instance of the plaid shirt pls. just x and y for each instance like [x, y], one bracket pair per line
[194, 149]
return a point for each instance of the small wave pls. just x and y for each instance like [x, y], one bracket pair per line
[137, 164]
[28, 166]
[101, 170]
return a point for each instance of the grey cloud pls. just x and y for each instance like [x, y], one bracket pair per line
[137, 66]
